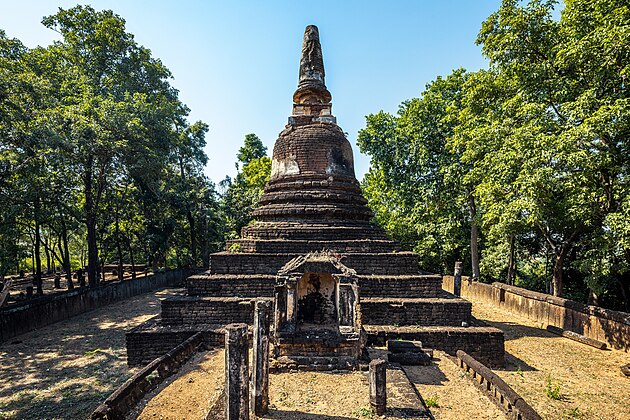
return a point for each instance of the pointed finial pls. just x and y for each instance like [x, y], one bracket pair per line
[311, 88]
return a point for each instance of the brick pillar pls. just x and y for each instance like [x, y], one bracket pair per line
[457, 279]
[346, 305]
[378, 381]
[236, 372]
[260, 375]
[291, 306]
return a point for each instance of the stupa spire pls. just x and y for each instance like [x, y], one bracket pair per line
[311, 98]
[311, 86]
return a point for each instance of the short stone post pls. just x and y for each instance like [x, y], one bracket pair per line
[457, 279]
[378, 382]
[236, 372]
[260, 360]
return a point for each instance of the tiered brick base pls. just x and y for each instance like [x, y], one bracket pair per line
[313, 203]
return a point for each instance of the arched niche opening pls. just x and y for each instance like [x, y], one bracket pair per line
[317, 301]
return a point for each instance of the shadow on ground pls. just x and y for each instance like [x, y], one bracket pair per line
[299, 415]
[514, 331]
[426, 375]
[66, 369]
[514, 364]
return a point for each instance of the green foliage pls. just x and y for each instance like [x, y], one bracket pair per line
[414, 184]
[432, 401]
[534, 151]
[242, 194]
[366, 412]
[552, 389]
[97, 158]
[251, 150]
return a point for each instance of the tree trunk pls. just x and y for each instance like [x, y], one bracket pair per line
[66, 255]
[193, 238]
[557, 278]
[511, 274]
[49, 267]
[118, 249]
[90, 224]
[593, 298]
[474, 238]
[38, 241]
[205, 254]
[133, 262]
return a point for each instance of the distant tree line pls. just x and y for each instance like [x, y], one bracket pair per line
[520, 170]
[97, 160]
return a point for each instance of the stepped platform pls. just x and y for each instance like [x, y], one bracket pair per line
[335, 278]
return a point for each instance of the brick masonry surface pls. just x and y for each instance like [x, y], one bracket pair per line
[607, 326]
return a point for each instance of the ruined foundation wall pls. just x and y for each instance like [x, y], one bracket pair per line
[27, 316]
[610, 327]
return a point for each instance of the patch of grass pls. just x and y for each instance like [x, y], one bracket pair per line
[92, 353]
[366, 412]
[519, 372]
[432, 401]
[552, 390]
[283, 399]
[574, 413]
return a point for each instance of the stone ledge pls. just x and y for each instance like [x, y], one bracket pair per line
[482, 341]
[118, 404]
[495, 388]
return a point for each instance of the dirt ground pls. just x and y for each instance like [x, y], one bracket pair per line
[588, 382]
[188, 394]
[64, 370]
[454, 395]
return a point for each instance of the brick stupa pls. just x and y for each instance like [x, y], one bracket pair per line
[313, 225]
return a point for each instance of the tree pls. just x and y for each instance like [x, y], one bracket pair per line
[252, 149]
[116, 98]
[242, 194]
[572, 114]
[415, 184]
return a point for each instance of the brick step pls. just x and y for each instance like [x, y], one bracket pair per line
[306, 212]
[415, 311]
[391, 263]
[261, 285]
[305, 246]
[483, 342]
[194, 310]
[314, 363]
[231, 285]
[322, 232]
[313, 196]
[401, 286]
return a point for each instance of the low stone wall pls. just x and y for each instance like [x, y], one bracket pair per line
[495, 388]
[610, 327]
[484, 342]
[118, 404]
[35, 313]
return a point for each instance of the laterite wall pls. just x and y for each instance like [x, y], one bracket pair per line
[610, 327]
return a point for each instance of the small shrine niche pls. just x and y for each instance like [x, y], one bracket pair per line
[317, 309]
[316, 301]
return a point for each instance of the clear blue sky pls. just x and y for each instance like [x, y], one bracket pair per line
[235, 63]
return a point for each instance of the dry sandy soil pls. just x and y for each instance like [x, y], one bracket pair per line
[188, 394]
[65, 370]
[589, 381]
